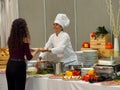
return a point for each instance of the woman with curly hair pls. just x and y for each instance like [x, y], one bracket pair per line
[19, 50]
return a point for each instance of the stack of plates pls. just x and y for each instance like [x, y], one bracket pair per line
[80, 56]
[90, 57]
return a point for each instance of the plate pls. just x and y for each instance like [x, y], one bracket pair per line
[90, 51]
[32, 61]
[43, 75]
[56, 76]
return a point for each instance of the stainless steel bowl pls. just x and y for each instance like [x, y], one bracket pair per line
[45, 65]
[74, 67]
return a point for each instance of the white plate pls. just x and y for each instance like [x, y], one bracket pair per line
[32, 61]
[43, 75]
[89, 50]
[78, 52]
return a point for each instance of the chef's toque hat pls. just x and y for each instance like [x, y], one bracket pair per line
[62, 20]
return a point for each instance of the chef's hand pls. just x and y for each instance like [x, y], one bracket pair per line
[49, 50]
[37, 65]
[45, 50]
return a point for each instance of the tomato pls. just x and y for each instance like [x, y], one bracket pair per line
[109, 45]
[94, 77]
[76, 72]
[93, 34]
[90, 78]
[86, 45]
[86, 77]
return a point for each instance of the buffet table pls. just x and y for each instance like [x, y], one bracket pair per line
[44, 83]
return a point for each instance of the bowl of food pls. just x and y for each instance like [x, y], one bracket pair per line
[31, 71]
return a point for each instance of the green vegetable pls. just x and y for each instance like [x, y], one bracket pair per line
[44, 71]
[117, 78]
[101, 31]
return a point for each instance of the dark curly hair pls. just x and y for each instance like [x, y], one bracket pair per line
[19, 31]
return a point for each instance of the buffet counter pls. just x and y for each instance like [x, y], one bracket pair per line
[44, 83]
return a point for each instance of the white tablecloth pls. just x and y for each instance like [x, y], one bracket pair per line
[3, 83]
[58, 84]
[37, 83]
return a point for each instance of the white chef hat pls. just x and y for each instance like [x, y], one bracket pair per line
[62, 20]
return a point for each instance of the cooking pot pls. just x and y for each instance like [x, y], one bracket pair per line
[58, 67]
[45, 64]
[45, 67]
[74, 67]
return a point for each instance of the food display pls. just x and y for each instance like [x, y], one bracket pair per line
[72, 75]
[101, 41]
[56, 76]
[113, 82]
[99, 45]
[109, 71]
[90, 76]
[45, 67]
[44, 71]
[32, 71]
[92, 52]
[4, 56]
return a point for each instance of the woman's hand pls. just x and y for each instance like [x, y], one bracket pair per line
[37, 50]
[34, 51]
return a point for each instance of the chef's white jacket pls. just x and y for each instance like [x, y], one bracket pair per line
[61, 46]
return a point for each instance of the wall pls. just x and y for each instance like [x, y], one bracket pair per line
[85, 17]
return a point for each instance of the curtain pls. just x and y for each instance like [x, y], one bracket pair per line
[9, 12]
[0, 19]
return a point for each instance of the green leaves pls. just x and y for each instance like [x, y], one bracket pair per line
[101, 31]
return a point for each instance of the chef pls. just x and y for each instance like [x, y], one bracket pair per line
[59, 43]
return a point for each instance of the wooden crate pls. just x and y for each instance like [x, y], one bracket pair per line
[105, 52]
[97, 46]
[4, 58]
[99, 42]
[4, 54]
[3, 62]
[2, 66]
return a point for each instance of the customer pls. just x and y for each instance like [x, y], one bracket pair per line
[59, 43]
[19, 50]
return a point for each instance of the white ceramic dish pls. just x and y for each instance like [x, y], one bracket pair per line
[32, 61]
[78, 52]
[89, 50]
